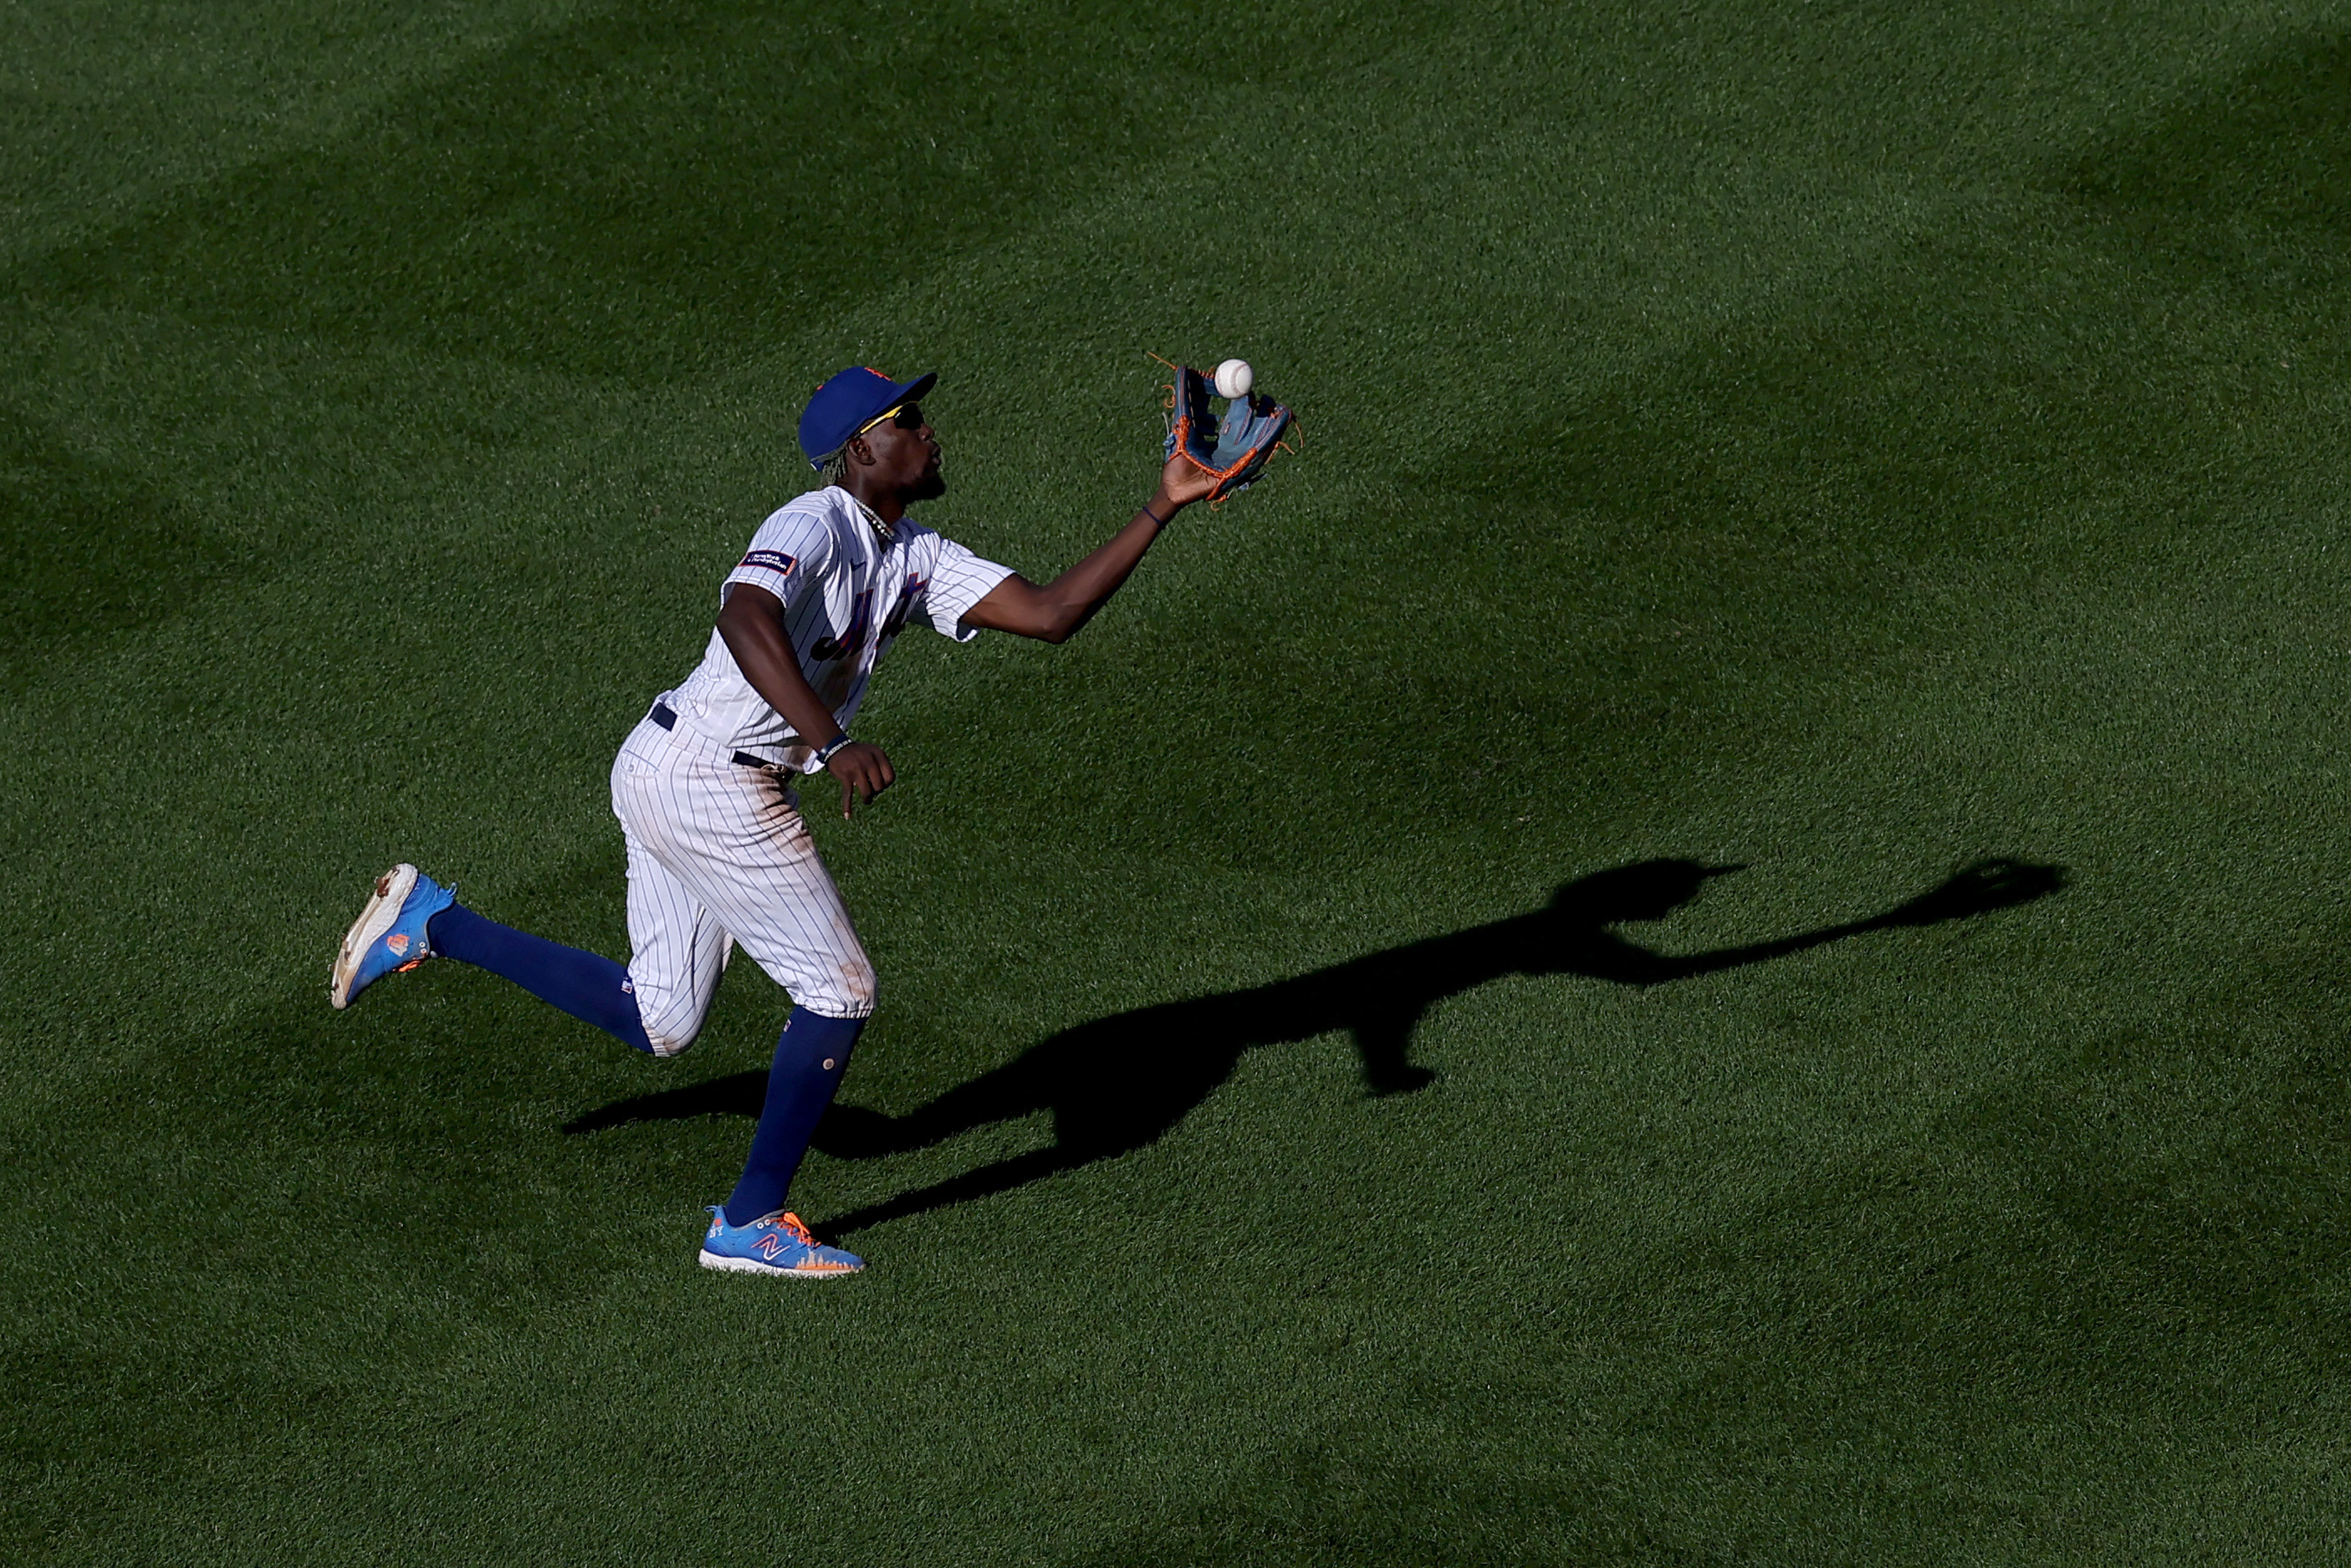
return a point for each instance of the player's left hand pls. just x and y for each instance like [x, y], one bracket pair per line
[1181, 483]
[864, 772]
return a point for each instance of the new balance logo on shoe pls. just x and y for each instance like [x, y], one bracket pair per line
[776, 1244]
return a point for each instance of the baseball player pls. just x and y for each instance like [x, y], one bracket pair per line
[717, 852]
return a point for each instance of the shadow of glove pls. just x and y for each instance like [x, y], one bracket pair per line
[1979, 889]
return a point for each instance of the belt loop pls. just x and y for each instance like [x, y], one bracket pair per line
[666, 717]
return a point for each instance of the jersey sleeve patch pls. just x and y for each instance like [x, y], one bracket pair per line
[773, 561]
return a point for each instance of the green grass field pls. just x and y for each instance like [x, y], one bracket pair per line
[1847, 442]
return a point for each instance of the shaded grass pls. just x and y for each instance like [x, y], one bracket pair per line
[637, 192]
[85, 550]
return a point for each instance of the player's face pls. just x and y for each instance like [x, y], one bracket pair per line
[907, 453]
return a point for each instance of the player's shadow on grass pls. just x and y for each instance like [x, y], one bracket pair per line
[1118, 1083]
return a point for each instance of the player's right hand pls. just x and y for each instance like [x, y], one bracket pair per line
[864, 771]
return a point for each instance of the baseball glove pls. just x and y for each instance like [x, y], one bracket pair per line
[1234, 449]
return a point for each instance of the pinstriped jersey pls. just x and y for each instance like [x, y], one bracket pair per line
[846, 592]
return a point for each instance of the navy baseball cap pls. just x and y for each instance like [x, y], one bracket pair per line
[849, 402]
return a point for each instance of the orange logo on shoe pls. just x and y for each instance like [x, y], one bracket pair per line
[398, 943]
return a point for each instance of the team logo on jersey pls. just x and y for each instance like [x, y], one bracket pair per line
[398, 943]
[773, 561]
[861, 621]
[916, 583]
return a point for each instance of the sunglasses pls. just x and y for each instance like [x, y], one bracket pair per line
[905, 416]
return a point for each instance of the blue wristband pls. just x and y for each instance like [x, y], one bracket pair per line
[824, 753]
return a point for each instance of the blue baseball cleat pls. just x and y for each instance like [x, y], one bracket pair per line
[389, 934]
[780, 1244]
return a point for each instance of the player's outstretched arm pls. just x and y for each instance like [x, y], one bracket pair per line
[1054, 612]
[752, 623]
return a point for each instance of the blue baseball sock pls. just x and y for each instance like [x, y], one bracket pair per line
[590, 987]
[811, 1057]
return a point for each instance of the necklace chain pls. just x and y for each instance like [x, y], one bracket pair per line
[882, 530]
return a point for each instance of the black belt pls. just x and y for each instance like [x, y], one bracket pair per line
[663, 715]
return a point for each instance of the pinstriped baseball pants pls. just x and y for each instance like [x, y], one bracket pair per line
[718, 854]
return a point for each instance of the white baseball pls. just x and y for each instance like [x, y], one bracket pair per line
[1234, 378]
